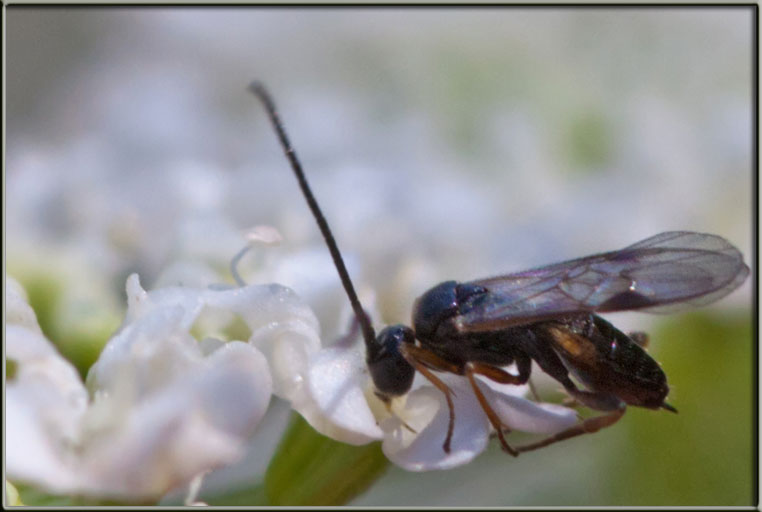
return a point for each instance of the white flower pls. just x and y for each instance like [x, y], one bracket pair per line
[163, 407]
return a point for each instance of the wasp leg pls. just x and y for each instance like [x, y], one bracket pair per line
[497, 375]
[598, 401]
[388, 404]
[421, 359]
[588, 426]
[524, 366]
[347, 339]
[533, 390]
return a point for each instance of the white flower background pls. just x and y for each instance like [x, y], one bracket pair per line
[441, 144]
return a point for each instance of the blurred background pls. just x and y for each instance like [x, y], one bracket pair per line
[442, 144]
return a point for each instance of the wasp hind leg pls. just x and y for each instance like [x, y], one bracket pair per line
[501, 376]
[598, 401]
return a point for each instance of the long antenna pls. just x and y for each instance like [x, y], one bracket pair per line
[362, 317]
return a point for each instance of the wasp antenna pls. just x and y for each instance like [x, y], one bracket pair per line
[259, 90]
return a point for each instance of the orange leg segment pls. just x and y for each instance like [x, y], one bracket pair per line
[420, 359]
[476, 368]
[588, 426]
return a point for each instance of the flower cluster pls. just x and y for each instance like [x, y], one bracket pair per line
[161, 407]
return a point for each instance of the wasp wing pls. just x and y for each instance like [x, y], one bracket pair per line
[667, 272]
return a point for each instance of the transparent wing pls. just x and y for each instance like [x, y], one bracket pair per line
[667, 272]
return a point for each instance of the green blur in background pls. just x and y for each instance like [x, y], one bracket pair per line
[707, 454]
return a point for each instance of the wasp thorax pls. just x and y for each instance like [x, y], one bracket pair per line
[434, 310]
[433, 307]
[392, 374]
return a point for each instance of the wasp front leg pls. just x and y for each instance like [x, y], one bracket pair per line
[422, 359]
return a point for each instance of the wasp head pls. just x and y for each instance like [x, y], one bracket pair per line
[392, 374]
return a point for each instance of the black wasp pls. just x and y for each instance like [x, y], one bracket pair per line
[546, 315]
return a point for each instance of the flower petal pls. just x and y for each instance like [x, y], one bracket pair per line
[45, 401]
[283, 327]
[335, 403]
[235, 389]
[525, 415]
[17, 308]
[426, 411]
[195, 423]
[166, 407]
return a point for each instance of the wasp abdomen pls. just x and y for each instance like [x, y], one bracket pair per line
[607, 360]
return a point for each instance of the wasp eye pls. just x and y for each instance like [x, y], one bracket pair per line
[392, 374]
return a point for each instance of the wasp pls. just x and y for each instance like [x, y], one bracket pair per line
[548, 315]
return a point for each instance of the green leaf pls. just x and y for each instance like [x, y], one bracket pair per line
[311, 469]
[33, 496]
[250, 495]
[11, 366]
